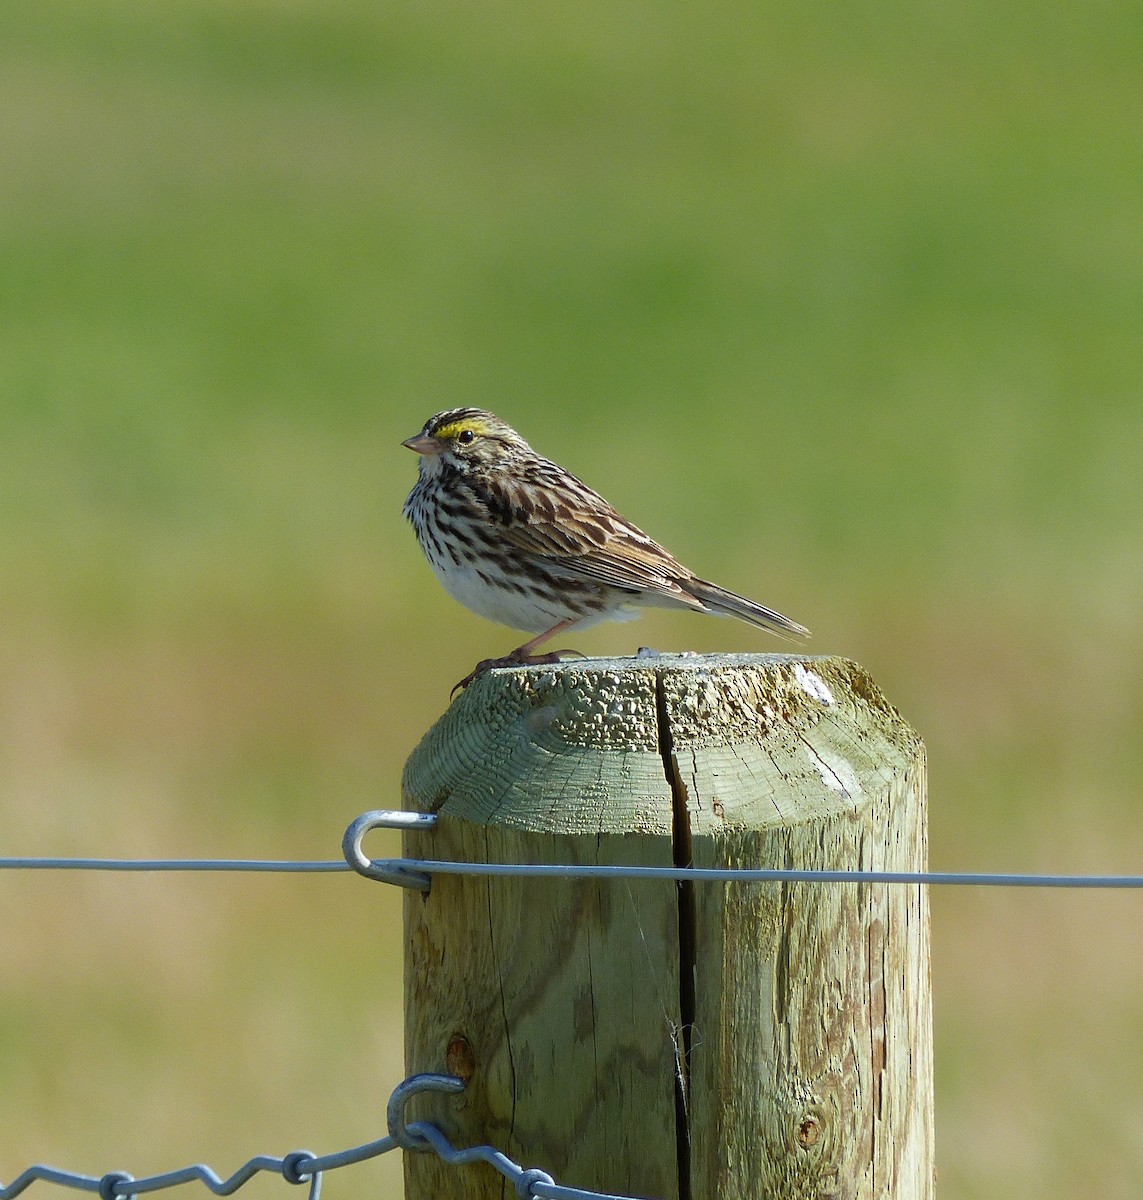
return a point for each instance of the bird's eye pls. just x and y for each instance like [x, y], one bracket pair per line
[466, 437]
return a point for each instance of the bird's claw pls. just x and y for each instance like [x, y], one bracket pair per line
[515, 659]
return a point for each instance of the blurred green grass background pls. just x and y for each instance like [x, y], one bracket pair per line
[843, 303]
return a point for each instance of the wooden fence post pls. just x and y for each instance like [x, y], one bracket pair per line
[702, 1041]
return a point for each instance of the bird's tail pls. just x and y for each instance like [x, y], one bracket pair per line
[719, 600]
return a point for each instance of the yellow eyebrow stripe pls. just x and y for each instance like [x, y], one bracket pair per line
[455, 428]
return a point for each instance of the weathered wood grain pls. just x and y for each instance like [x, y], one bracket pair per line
[760, 1040]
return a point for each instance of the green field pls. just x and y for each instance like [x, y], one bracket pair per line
[842, 303]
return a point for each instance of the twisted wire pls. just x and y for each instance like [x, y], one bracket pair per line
[302, 1166]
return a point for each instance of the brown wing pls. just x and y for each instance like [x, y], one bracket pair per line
[575, 530]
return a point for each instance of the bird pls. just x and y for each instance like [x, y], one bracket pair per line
[517, 539]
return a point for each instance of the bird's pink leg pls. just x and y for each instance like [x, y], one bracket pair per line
[524, 653]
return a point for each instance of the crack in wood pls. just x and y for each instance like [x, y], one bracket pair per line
[683, 856]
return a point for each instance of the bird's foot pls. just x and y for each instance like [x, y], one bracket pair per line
[515, 659]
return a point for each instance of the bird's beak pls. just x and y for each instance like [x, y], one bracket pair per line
[423, 444]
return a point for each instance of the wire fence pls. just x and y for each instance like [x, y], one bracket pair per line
[417, 873]
[301, 1166]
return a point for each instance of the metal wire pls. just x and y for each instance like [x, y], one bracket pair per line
[297, 1167]
[279, 866]
[417, 872]
[428, 866]
[528, 1183]
[301, 1166]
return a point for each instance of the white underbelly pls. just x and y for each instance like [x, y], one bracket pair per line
[500, 603]
[516, 609]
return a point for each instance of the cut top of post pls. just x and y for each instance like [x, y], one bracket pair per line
[604, 745]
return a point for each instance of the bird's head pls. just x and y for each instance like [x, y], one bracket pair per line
[467, 440]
